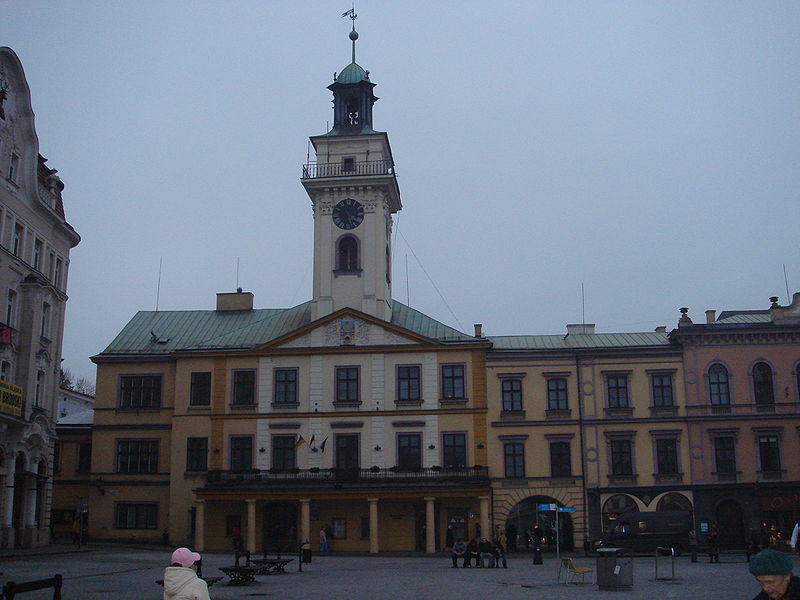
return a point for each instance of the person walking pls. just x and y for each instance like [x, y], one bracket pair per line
[713, 544]
[180, 579]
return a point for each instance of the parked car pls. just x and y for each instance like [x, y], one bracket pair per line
[646, 531]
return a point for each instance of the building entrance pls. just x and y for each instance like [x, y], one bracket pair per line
[280, 527]
[525, 522]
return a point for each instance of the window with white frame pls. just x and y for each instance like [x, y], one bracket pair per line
[45, 331]
[11, 308]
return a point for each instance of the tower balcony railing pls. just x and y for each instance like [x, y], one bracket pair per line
[260, 478]
[348, 168]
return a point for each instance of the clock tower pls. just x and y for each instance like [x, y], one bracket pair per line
[354, 193]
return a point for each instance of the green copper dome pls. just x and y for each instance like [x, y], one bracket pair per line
[352, 73]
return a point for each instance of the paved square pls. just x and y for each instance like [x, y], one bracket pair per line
[119, 573]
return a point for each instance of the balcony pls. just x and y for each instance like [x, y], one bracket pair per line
[11, 401]
[373, 477]
[347, 169]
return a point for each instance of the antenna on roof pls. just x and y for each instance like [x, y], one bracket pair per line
[237, 272]
[583, 305]
[786, 281]
[158, 287]
[408, 293]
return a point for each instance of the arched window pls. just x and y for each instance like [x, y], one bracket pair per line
[762, 384]
[674, 501]
[347, 256]
[719, 390]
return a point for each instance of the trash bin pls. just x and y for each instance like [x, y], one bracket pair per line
[306, 555]
[614, 571]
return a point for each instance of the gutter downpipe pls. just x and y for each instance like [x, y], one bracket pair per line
[583, 450]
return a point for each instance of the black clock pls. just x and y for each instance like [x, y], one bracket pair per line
[348, 214]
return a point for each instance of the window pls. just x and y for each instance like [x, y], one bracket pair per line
[84, 458]
[453, 382]
[557, 394]
[409, 454]
[454, 450]
[512, 394]
[241, 452]
[244, 387]
[718, 387]
[196, 454]
[408, 384]
[621, 457]
[200, 389]
[769, 451]
[617, 391]
[16, 244]
[346, 384]
[348, 164]
[140, 391]
[45, 330]
[560, 459]
[5, 371]
[667, 456]
[661, 386]
[13, 168]
[285, 386]
[348, 254]
[514, 456]
[37, 255]
[137, 456]
[725, 455]
[762, 384]
[38, 389]
[339, 529]
[57, 275]
[136, 516]
[283, 452]
[11, 308]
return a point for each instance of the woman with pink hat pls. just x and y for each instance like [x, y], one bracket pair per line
[180, 580]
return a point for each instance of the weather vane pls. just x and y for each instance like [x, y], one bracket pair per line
[353, 34]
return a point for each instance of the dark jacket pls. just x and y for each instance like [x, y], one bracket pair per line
[793, 593]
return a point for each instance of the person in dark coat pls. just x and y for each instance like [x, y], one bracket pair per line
[499, 554]
[472, 553]
[485, 552]
[713, 544]
[459, 551]
[773, 570]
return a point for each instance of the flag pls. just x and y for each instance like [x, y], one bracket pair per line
[311, 441]
[322, 445]
[300, 442]
[349, 13]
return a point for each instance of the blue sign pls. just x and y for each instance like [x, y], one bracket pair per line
[547, 506]
[566, 509]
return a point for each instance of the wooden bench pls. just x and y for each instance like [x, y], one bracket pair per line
[271, 565]
[11, 589]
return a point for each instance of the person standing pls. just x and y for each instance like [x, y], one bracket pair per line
[323, 540]
[180, 579]
[773, 570]
[713, 544]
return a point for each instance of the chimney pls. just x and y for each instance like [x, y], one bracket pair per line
[661, 329]
[711, 316]
[580, 328]
[238, 300]
[478, 330]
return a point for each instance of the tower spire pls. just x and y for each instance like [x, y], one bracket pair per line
[353, 33]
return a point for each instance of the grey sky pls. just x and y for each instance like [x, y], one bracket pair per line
[648, 150]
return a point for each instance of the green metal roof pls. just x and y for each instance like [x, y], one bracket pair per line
[162, 332]
[579, 341]
[352, 73]
[744, 316]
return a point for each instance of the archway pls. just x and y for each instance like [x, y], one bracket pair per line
[524, 518]
[614, 507]
[674, 501]
[730, 524]
[18, 508]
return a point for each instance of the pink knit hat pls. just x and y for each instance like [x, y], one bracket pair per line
[184, 557]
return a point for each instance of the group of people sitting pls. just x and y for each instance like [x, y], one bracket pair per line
[480, 551]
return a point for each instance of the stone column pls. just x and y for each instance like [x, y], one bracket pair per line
[430, 526]
[485, 531]
[200, 526]
[373, 525]
[251, 525]
[305, 520]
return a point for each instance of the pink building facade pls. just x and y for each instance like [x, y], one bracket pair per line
[742, 390]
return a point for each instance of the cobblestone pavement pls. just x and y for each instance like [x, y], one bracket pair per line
[120, 573]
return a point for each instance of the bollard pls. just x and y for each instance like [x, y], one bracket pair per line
[537, 554]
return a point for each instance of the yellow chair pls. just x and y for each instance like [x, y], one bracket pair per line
[570, 570]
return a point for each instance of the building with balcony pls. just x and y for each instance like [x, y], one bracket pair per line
[35, 242]
[350, 413]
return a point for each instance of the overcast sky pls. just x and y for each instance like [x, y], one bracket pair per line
[647, 150]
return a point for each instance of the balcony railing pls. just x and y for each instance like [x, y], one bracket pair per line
[333, 477]
[348, 169]
[11, 401]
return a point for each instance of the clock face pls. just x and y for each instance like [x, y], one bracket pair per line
[348, 214]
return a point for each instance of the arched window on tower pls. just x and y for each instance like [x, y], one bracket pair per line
[352, 113]
[347, 254]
